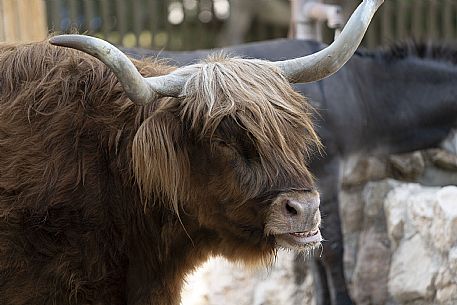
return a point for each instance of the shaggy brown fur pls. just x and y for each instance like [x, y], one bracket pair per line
[106, 202]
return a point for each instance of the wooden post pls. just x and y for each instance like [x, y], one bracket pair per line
[22, 20]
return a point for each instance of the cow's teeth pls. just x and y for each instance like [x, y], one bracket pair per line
[305, 234]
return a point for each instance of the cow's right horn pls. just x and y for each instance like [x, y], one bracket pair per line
[329, 60]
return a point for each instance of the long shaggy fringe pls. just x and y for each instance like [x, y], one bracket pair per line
[257, 96]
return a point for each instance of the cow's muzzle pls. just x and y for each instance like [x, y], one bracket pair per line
[294, 220]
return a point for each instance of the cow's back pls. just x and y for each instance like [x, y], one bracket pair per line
[58, 222]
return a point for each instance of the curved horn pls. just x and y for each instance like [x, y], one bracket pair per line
[329, 60]
[139, 89]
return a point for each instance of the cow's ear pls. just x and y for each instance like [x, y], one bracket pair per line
[160, 160]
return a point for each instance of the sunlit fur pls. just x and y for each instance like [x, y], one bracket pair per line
[91, 184]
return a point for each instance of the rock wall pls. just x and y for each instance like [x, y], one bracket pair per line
[219, 282]
[400, 242]
[399, 245]
[404, 252]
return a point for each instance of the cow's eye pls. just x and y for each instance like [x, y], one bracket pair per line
[223, 145]
[220, 142]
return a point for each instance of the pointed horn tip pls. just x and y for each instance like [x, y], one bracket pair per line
[62, 40]
[54, 40]
[71, 40]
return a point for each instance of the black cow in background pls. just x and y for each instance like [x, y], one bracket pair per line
[381, 102]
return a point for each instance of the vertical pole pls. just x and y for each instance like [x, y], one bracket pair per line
[22, 20]
[10, 17]
[432, 30]
[56, 15]
[417, 19]
[138, 10]
[89, 15]
[304, 27]
[387, 34]
[402, 10]
[2, 25]
[447, 13]
[106, 18]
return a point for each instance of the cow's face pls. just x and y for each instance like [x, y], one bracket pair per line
[253, 204]
[234, 159]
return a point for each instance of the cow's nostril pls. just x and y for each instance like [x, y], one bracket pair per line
[290, 209]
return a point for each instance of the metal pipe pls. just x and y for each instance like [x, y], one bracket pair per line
[308, 16]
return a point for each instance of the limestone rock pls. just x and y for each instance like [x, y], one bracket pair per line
[373, 256]
[450, 143]
[444, 277]
[434, 176]
[452, 258]
[409, 209]
[358, 171]
[371, 272]
[412, 272]
[351, 247]
[352, 214]
[351, 210]
[396, 218]
[421, 211]
[408, 166]
[219, 282]
[445, 224]
[447, 294]
[441, 166]
[223, 283]
[374, 195]
[443, 159]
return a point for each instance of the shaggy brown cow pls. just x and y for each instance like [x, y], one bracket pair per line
[104, 201]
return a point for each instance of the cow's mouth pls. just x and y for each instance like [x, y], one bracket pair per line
[300, 240]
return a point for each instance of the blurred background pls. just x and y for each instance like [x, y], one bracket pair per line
[196, 24]
[425, 181]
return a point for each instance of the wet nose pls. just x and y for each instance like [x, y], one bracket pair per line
[301, 208]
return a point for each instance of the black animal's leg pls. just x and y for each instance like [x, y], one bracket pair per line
[322, 292]
[332, 254]
[328, 273]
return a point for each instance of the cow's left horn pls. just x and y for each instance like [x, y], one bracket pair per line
[329, 60]
[139, 89]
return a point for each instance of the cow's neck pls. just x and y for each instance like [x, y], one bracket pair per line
[178, 249]
[397, 106]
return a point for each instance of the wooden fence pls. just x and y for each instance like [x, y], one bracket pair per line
[420, 19]
[22, 20]
[173, 24]
[192, 24]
